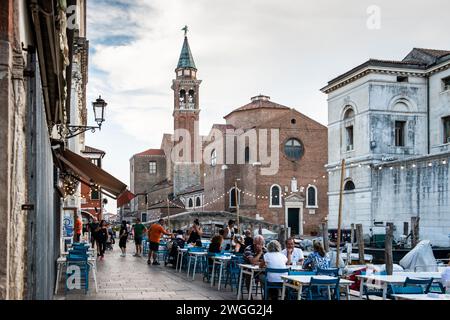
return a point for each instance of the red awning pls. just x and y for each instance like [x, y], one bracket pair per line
[125, 198]
[91, 174]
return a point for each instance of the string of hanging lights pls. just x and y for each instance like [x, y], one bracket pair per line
[246, 193]
[70, 183]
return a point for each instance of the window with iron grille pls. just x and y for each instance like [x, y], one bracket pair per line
[293, 149]
[275, 196]
[312, 196]
[152, 167]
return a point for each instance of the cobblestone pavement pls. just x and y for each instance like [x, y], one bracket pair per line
[130, 278]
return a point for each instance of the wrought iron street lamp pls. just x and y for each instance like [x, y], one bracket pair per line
[98, 106]
[99, 111]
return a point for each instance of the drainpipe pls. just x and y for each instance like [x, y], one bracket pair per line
[428, 114]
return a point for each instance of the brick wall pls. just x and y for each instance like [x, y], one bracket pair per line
[308, 170]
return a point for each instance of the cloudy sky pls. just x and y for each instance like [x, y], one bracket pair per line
[287, 49]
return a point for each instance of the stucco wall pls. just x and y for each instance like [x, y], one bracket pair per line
[421, 191]
[12, 157]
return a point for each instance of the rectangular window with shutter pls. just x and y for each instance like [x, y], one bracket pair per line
[400, 133]
[446, 127]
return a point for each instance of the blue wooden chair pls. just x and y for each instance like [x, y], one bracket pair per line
[79, 250]
[407, 290]
[315, 290]
[200, 260]
[436, 287]
[145, 246]
[233, 272]
[425, 284]
[207, 267]
[162, 252]
[81, 262]
[301, 273]
[273, 285]
[332, 272]
[375, 291]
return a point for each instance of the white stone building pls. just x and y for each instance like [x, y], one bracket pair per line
[390, 121]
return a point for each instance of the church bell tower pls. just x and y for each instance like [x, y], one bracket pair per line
[186, 119]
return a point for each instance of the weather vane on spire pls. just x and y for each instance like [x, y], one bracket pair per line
[185, 29]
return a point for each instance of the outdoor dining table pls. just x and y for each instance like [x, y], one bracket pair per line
[395, 279]
[220, 260]
[251, 270]
[436, 297]
[181, 253]
[62, 262]
[298, 282]
[196, 255]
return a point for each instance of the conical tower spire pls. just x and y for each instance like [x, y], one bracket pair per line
[186, 60]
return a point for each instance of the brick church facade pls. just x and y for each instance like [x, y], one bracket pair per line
[274, 154]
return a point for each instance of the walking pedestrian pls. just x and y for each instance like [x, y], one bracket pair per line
[139, 230]
[154, 235]
[102, 237]
[123, 237]
[94, 227]
[78, 228]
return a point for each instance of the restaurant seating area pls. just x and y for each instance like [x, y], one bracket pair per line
[227, 271]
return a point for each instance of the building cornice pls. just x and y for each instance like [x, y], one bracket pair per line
[358, 74]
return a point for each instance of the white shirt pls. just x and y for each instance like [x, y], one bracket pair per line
[297, 254]
[275, 260]
[446, 275]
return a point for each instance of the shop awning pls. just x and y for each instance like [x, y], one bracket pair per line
[91, 174]
[125, 198]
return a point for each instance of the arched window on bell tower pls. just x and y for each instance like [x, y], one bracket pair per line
[191, 99]
[182, 99]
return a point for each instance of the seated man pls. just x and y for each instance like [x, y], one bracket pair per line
[293, 254]
[254, 254]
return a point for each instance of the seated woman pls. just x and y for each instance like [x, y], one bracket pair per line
[239, 246]
[195, 233]
[274, 259]
[215, 246]
[317, 259]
